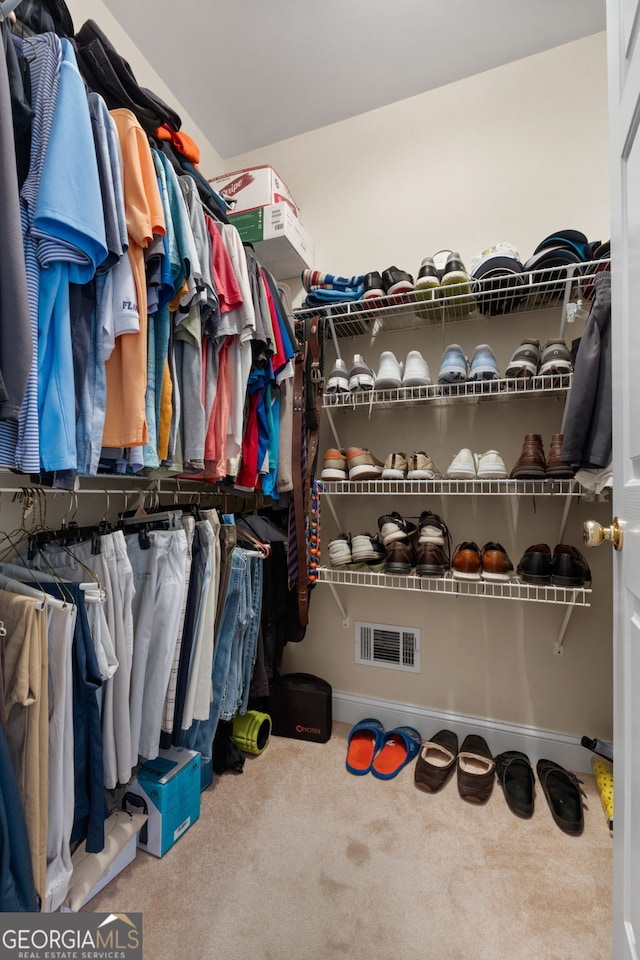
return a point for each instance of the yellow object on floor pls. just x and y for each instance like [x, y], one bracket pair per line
[603, 772]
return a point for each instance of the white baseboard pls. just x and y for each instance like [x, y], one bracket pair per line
[534, 741]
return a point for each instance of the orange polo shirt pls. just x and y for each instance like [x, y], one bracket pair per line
[126, 369]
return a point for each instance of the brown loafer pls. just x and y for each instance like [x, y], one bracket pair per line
[476, 770]
[436, 761]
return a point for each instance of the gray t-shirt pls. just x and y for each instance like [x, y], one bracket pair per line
[105, 136]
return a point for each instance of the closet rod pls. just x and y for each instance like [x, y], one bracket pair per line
[96, 491]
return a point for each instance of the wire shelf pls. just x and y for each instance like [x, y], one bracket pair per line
[513, 589]
[444, 488]
[515, 388]
[488, 297]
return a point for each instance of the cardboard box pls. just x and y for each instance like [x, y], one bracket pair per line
[206, 775]
[280, 242]
[254, 187]
[170, 786]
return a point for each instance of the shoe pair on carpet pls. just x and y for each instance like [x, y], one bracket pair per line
[371, 749]
[476, 769]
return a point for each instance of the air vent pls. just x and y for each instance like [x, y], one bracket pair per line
[385, 645]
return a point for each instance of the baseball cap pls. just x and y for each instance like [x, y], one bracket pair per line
[501, 258]
[499, 284]
[552, 257]
[569, 239]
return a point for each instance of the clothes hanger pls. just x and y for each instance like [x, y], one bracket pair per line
[262, 550]
[27, 496]
[17, 586]
[72, 533]
[38, 540]
[11, 583]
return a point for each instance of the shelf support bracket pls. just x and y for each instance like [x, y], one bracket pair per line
[340, 606]
[565, 516]
[559, 644]
[328, 499]
[571, 268]
[333, 429]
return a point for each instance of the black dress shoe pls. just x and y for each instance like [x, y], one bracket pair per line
[515, 773]
[564, 796]
[569, 568]
[535, 564]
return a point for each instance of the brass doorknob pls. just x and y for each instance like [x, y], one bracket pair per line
[594, 533]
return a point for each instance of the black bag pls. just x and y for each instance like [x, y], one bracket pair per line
[226, 755]
[300, 707]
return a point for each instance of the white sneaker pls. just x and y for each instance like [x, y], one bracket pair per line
[340, 550]
[490, 466]
[338, 379]
[361, 376]
[395, 467]
[422, 467]
[463, 466]
[416, 371]
[389, 376]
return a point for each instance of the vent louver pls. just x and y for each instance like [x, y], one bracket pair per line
[387, 645]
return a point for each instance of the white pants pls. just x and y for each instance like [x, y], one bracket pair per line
[159, 579]
[60, 627]
[189, 526]
[113, 569]
[202, 649]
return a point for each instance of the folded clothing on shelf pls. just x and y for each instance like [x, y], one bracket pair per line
[327, 288]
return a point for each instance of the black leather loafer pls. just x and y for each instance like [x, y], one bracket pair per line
[564, 796]
[535, 564]
[515, 774]
[568, 567]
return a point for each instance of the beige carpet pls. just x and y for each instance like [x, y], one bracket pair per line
[296, 859]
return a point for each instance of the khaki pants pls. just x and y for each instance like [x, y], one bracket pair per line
[27, 708]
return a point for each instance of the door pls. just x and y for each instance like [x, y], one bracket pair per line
[623, 29]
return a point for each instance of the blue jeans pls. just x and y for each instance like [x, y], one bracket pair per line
[201, 733]
[250, 648]
[233, 686]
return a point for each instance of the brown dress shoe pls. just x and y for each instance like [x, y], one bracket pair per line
[496, 564]
[467, 563]
[556, 466]
[531, 463]
[400, 557]
[431, 560]
[476, 770]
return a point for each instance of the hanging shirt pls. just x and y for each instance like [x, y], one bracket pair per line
[15, 327]
[107, 146]
[191, 270]
[240, 353]
[20, 443]
[206, 295]
[125, 421]
[69, 227]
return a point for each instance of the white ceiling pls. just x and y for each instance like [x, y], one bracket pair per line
[253, 72]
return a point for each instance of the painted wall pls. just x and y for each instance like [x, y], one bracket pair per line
[512, 154]
[211, 163]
